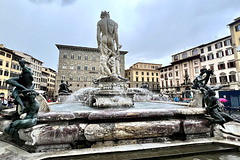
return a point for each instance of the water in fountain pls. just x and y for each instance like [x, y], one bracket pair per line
[80, 95]
[142, 94]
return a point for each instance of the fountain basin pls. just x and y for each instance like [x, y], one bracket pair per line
[64, 130]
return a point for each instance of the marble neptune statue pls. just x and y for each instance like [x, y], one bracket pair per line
[107, 39]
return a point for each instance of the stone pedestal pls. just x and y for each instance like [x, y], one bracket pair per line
[113, 99]
[62, 97]
[112, 93]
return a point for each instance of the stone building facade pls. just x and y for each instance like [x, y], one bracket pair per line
[235, 36]
[80, 65]
[218, 56]
[48, 81]
[176, 77]
[143, 73]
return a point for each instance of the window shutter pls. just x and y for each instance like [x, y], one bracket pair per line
[228, 65]
[215, 46]
[208, 57]
[222, 53]
[219, 67]
[217, 54]
[234, 64]
[226, 51]
[232, 51]
[223, 66]
[221, 44]
[225, 43]
[204, 58]
[230, 41]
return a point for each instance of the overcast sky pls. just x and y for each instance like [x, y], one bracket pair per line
[151, 30]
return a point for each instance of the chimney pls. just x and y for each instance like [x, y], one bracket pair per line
[1, 45]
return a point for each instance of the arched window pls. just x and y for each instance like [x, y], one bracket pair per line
[64, 55]
[72, 56]
[71, 66]
[79, 56]
[64, 66]
[78, 67]
[195, 52]
[71, 77]
[184, 55]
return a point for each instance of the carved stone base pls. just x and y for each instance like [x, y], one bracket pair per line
[113, 99]
[62, 97]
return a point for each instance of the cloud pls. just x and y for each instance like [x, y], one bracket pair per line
[61, 2]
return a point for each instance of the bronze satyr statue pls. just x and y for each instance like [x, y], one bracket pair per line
[28, 118]
[27, 107]
[209, 98]
[63, 87]
[23, 82]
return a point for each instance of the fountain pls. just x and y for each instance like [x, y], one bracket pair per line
[107, 116]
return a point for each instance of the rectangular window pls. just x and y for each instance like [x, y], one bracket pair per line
[152, 79]
[229, 51]
[210, 56]
[147, 73]
[8, 55]
[94, 58]
[227, 42]
[85, 68]
[231, 64]
[6, 73]
[137, 79]
[7, 64]
[209, 48]
[203, 59]
[221, 66]
[202, 50]
[93, 68]
[237, 27]
[218, 45]
[136, 72]
[142, 73]
[213, 80]
[142, 79]
[220, 54]
[156, 74]
[79, 57]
